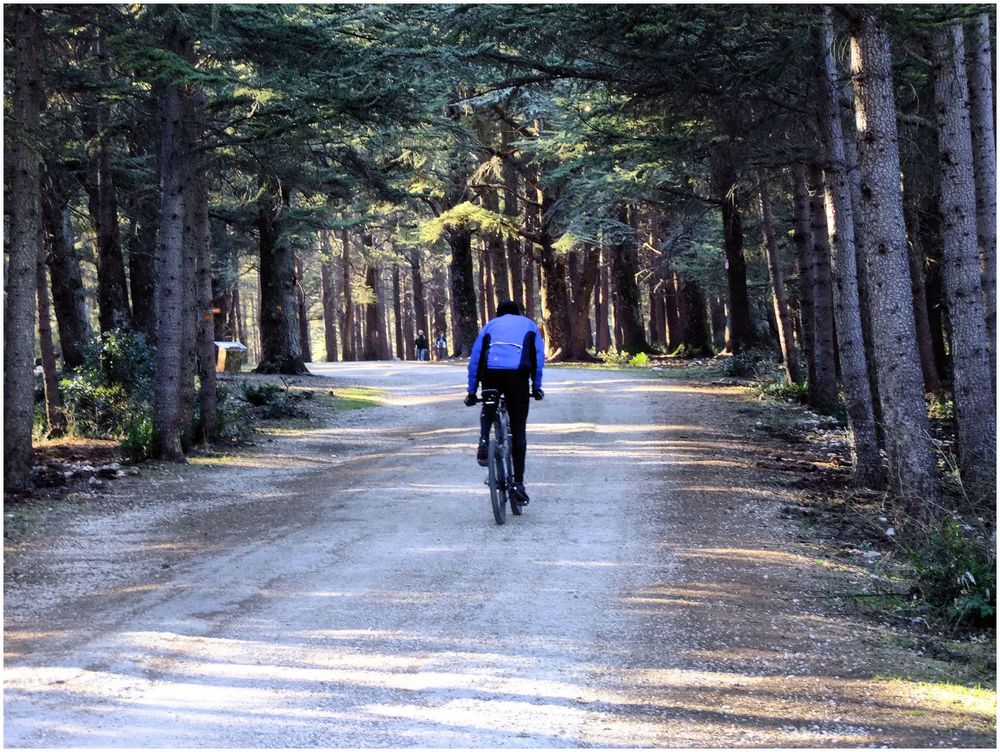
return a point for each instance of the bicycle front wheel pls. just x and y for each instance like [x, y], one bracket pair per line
[498, 486]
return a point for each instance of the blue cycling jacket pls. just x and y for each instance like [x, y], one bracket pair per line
[508, 343]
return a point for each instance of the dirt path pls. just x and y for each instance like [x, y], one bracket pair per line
[348, 588]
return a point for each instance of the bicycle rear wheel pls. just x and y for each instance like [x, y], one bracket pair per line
[498, 485]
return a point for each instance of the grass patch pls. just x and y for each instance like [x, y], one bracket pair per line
[355, 397]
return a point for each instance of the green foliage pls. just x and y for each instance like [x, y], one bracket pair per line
[941, 408]
[471, 215]
[614, 356]
[781, 389]
[639, 361]
[956, 572]
[752, 364]
[237, 421]
[137, 444]
[272, 401]
[112, 391]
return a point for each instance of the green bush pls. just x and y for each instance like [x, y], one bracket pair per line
[956, 573]
[236, 418]
[751, 364]
[780, 389]
[614, 356]
[113, 389]
[641, 360]
[137, 444]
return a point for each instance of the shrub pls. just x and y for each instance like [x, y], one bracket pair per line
[641, 360]
[273, 402]
[113, 388]
[956, 572]
[137, 444]
[750, 364]
[236, 418]
[780, 389]
[614, 357]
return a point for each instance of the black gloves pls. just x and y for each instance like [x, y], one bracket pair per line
[470, 399]
[538, 394]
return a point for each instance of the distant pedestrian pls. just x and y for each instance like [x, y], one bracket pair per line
[442, 346]
[420, 345]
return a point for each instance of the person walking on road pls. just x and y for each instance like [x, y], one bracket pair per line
[507, 353]
[420, 345]
[442, 346]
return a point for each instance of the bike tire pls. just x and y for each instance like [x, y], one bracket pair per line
[508, 461]
[496, 480]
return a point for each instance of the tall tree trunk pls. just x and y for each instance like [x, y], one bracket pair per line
[802, 239]
[696, 337]
[514, 260]
[975, 408]
[328, 280]
[112, 295]
[915, 255]
[142, 276]
[985, 162]
[602, 339]
[484, 299]
[68, 297]
[279, 334]
[823, 324]
[904, 413]
[207, 384]
[496, 251]
[868, 471]
[397, 310]
[554, 293]
[407, 322]
[530, 225]
[168, 417]
[463, 292]
[347, 330]
[671, 293]
[419, 306]
[625, 289]
[372, 348]
[789, 353]
[741, 333]
[302, 310]
[54, 414]
[580, 311]
[382, 307]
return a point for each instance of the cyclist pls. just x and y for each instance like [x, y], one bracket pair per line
[507, 352]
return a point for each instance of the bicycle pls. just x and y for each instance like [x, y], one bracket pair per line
[500, 458]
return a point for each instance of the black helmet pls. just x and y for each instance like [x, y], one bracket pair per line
[508, 307]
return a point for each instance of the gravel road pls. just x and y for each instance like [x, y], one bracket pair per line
[347, 587]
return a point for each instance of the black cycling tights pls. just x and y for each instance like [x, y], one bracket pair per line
[514, 386]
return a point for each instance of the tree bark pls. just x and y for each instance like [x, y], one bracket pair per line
[868, 470]
[782, 315]
[168, 418]
[602, 337]
[582, 288]
[671, 294]
[280, 349]
[625, 289]
[397, 310]
[463, 292]
[372, 348]
[823, 325]
[347, 330]
[802, 239]
[419, 306]
[514, 260]
[112, 295]
[915, 255]
[985, 161]
[741, 334]
[302, 311]
[208, 397]
[696, 336]
[975, 408]
[68, 297]
[904, 413]
[328, 281]
[54, 414]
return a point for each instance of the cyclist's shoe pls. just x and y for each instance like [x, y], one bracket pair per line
[483, 453]
[519, 494]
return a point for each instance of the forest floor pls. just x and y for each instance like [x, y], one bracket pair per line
[342, 584]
